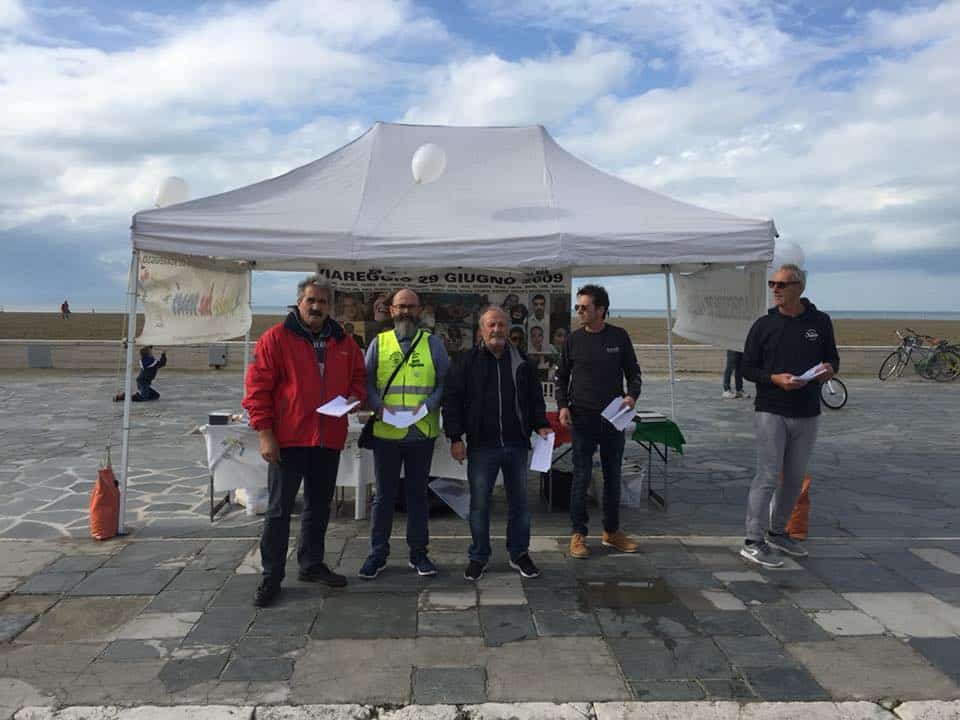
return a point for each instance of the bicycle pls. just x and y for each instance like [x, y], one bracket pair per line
[936, 361]
[833, 393]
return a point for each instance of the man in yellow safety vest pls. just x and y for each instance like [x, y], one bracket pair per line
[406, 367]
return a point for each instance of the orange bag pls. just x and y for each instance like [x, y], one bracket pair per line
[799, 523]
[105, 503]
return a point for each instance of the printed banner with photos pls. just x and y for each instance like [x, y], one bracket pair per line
[451, 303]
[190, 300]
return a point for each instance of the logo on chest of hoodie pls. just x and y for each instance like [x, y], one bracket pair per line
[811, 334]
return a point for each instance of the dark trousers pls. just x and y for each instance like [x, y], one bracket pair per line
[590, 430]
[388, 458]
[734, 367]
[317, 468]
[483, 466]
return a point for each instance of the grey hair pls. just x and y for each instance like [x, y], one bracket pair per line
[494, 309]
[314, 280]
[798, 274]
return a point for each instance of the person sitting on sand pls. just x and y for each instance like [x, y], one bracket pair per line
[149, 365]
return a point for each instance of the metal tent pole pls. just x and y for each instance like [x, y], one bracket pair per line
[673, 400]
[128, 388]
[246, 337]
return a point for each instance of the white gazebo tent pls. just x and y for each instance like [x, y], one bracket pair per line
[510, 198]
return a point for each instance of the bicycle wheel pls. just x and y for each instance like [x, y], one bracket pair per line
[891, 365]
[946, 366]
[833, 394]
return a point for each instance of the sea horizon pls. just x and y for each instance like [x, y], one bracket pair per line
[614, 312]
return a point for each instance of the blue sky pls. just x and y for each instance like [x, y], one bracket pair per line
[839, 120]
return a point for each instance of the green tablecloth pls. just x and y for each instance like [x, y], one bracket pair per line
[665, 432]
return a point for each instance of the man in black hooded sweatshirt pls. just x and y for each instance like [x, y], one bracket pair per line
[789, 340]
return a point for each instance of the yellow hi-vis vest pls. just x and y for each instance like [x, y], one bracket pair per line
[410, 388]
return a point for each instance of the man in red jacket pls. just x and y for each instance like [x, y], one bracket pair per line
[300, 364]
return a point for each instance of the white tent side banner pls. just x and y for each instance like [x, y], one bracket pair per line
[717, 306]
[192, 300]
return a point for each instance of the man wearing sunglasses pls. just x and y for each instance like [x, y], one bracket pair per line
[790, 339]
[594, 362]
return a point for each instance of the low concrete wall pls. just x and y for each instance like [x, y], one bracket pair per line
[108, 355]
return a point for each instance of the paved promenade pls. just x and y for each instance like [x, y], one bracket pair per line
[868, 626]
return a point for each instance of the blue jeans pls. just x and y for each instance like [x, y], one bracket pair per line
[734, 367]
[317, 468]
[589, 431]
[388, 457]
[483, 465]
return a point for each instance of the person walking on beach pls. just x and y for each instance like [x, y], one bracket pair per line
[733, 368]
[789, 340]
[493, 397]
[593, 364]
[64, 310]
[405, 371]
[301, 364]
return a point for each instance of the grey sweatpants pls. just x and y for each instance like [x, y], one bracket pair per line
[784, 444]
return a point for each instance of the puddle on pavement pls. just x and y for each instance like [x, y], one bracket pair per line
[592, 594]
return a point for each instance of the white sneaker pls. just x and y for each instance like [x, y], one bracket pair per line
[742, 395]
[728, 395]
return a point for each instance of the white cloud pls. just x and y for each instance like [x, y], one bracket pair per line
[489, 90]
[12, 14]
[729, 34]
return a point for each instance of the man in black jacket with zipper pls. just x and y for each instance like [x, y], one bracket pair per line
[493, 396]
[792, 338]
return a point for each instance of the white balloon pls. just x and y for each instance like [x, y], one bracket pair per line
[172, 191]
[787, 253]
[428, 163]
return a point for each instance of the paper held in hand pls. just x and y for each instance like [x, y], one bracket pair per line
[813, 372]
[338, 407]
[542, 455]
[618, 414]
[404, 418]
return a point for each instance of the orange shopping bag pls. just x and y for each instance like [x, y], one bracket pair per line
[799, 523]
[105, 503]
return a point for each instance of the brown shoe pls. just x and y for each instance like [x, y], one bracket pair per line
[578, 546]
[620, 541]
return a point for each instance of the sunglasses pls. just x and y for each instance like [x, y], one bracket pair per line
[781, 284]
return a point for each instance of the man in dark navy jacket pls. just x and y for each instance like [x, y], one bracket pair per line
[792, 338]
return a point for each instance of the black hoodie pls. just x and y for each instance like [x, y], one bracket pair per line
[778, 343]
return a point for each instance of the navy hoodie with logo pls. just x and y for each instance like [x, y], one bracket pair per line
[778, 343]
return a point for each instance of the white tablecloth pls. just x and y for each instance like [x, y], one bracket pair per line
[233, 456]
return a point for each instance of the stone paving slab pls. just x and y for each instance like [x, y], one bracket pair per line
[870, 668]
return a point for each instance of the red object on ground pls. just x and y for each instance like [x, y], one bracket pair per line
[799, 523]
[105, 505]
[563, 434]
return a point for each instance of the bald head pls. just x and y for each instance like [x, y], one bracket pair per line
[405, 311]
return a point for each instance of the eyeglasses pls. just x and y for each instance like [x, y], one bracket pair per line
[405, 307]
[781, 284]
[578, 308]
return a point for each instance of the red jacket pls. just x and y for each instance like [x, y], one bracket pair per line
[284, 387]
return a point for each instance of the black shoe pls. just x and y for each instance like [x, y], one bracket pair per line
[474, 570]
[524, 565]
[323, 574]
[266, 594]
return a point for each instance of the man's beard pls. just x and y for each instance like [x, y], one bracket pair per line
[405, 327]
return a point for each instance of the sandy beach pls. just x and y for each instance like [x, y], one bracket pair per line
[111, 326]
